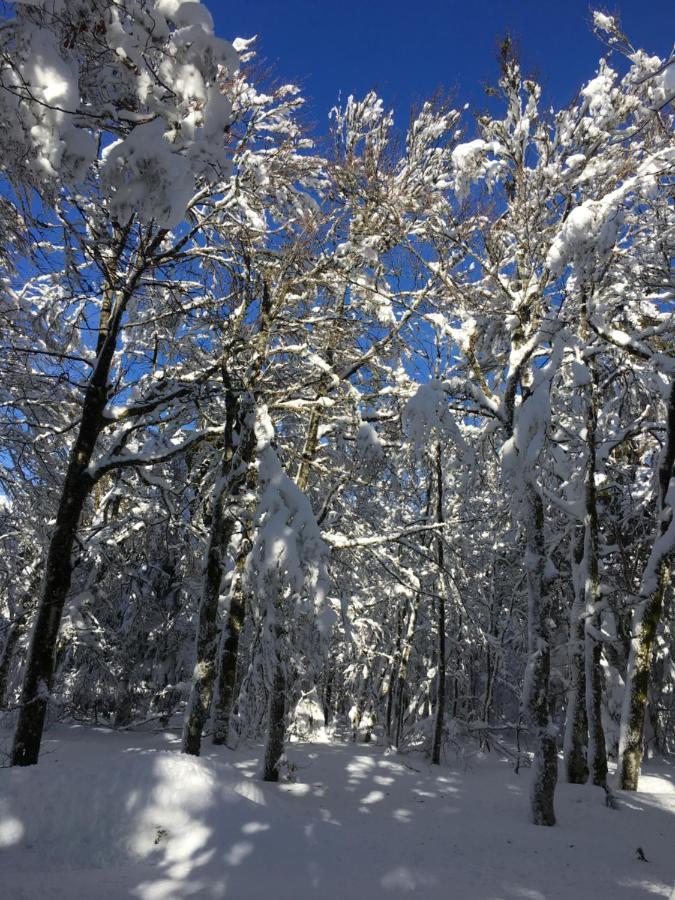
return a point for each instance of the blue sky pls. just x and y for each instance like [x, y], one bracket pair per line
[406, 50]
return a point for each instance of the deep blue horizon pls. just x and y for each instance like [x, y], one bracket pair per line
[408, 53]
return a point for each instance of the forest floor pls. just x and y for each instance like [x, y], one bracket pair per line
[109, 815]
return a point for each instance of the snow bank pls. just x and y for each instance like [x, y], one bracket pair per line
[112, 816]
[111, 802]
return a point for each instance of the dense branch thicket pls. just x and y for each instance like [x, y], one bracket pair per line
[379, 436]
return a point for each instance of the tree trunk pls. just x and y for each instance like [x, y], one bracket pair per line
[631, 740]
[493, 659]
[536, 694]
[437, 741]
[394, 670]
[403, 670]
[276, 723]
[576, 724]
[455, 677]
[646, 618]
[327, 703]
[124, 705]
[77, 486]
[14, 632]
[597, 751]
[17, 629]
[39, 671]
[439, 718]
[229, 655]
[201, 691]
[234, 469]
[309, 450]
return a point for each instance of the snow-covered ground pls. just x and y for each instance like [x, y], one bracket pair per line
[113, 815]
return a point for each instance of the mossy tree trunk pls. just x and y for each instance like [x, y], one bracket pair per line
[229, 653]
[647, 616]
[224, 507]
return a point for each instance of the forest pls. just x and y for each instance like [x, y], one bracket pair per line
[347, 441]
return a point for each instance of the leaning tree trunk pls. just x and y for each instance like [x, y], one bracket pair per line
[536, 692]
[77, 486]
[647, 617]
[78, 483]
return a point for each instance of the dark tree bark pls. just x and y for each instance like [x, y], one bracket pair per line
[576, 723]
[124, 705]
[78, 484]
[39, 672]
[394, 670]
[439, 719]
[201, 691]
[228, 657]
[328, 698]
[276, 720]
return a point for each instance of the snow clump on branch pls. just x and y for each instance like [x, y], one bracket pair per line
[141, 90]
